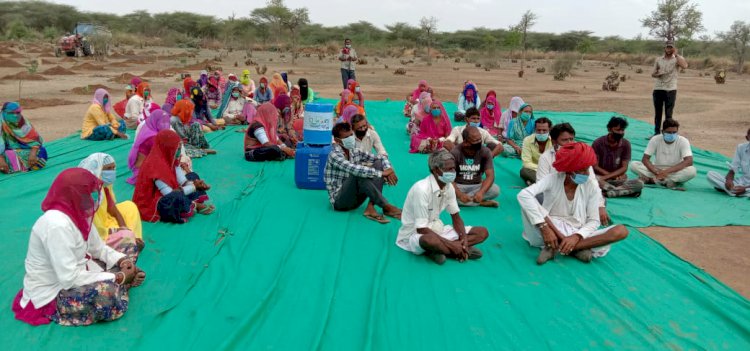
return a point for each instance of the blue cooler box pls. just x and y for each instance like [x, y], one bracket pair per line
[310, 164]
[318, 124]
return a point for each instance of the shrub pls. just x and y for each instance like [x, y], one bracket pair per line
[563, 65]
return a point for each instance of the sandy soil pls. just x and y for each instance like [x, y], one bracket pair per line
[713, 117]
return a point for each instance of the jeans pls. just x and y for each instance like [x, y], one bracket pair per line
[356, 190]
[347, 74]
[663, 100]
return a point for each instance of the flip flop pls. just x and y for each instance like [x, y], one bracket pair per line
[377, 218]
[394, 215]
[207, 210]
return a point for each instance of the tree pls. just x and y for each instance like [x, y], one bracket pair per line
[527, 21]
[428, 26]
[738, 37]
[584, 46]
[513, 39]
[674, 19]
[489, 43]
[278, 14]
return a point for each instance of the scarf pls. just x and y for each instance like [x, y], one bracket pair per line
[159, 165]
[268, 117]
[158, 121]
[304, 89]
[95, 163]
[245, 77]
[429, 129]
[19, 134]
[282, 102]
[99, 100]
[183, 109]
[422, 87]
[203, 79]
[277, 85]
[425, 100]
[520, 131]
[70, 194]
[574, 157]
[141, 89]
[228, 97]
[490, 117]
[469, 87]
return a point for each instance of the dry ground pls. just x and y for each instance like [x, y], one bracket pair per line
[713, 117]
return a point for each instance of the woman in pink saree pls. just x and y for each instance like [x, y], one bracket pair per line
[432, 130]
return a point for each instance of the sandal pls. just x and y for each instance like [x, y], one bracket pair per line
[396, 215]
[377, 218]
[207, 210]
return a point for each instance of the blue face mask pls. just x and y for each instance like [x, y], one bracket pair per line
[542, 137]
[670, 137]
[580, 178]
[105, 101]
[474, 124]
[178, 97]
[447, 177]
[490, 106]
[109, 177]
[436, 112]
[11, 117]
[95, 197]
[525, 116]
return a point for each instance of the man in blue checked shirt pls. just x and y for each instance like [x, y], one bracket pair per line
[353, 176]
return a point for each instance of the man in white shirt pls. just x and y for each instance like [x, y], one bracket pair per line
[672, 162]
[367, 138]
[561, 135]
[422, 231]
[568, 221]
[732, 184]
[473, 119]
[665, 86]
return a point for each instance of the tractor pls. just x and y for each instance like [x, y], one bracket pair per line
[82, 41]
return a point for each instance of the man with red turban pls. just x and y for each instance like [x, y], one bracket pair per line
[568, 219]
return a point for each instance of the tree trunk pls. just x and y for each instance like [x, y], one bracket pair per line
[511, 54]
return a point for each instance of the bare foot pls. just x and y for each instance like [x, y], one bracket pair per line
[140, 276]
[489, 203]
[392, 211]
[140, 244]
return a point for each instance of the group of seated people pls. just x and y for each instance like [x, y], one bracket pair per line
[83, 275]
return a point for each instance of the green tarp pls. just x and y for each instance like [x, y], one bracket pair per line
[276, 268]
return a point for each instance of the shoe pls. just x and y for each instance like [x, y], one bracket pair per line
[584, 256]
[436, 257]
[475, 253]
[545, 255]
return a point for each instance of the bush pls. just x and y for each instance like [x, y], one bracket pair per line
[563, 65]
[51, 34]
[18, 30]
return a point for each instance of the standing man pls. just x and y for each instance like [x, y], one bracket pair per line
[665, 87]
[348, 58]
[422, 231]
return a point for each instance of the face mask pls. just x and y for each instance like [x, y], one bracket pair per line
[285, 111]
[262, 85]
[11, 117]
[356, 102]
[447, 177]
[349, 142]
[436, 112]
[476, 147]
[525, 116]
[357, 89]
[542, 137]
[146, 94]
[579, 178]
[108, 177]
[178, 154]
[490, 106]
[105, 101]
[236, 94]
[617, 136]
[360, 133]
[95, 197]
[474, 124]
[348, 46]
[178, 97]
[670, 137]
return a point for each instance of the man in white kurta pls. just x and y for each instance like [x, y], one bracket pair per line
[568, 220]
[422, 231]
[737, 180]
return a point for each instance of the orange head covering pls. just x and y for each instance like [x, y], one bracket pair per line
[141, 88]
[184, 110]
[277, 85]
[187, 84]
[574, 157]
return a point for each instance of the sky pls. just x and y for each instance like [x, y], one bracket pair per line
[603, 17]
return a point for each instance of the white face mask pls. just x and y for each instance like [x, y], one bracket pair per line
[447, 177]
[349, 142]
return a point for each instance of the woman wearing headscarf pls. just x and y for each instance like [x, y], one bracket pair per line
[232, 109]
[203, 79]
[518, 129]
[201, 112]
[213, 95]
[112, 220]
[432, 130]
[345, 98]
[306, 93]
[468, 98]
[508, 115]
[248, 85]
[490, 114]
[188, 83]
[164, 191]
[285, 77]
[120, 106]
[263, 94]
[139, 106]
[419, 112]
[413, 98]
[219, 77]
[173, 95]
[21, 147]
[65, 264]
[189, 130]
[277, 85]
[297, 112]
[262, 142]
[286, 132]
[144, 141]
[356, 90]
[100, 123]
